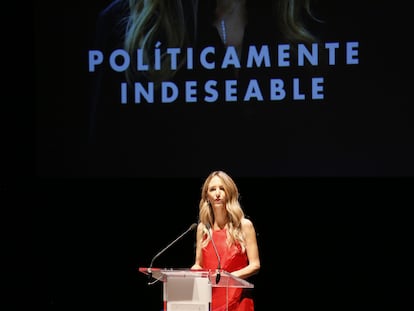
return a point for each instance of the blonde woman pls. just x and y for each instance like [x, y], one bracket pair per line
[180, 23]
[227, 239]
[151, 24]
[127, 100]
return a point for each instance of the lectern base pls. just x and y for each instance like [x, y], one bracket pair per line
[187, 306]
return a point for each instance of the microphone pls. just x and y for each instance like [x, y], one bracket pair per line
[217, 254]
[192, 227]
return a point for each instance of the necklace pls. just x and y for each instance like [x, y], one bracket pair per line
[227, 11]
[223, 31]
[223, 23]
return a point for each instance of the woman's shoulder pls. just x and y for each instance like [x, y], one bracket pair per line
[200, 227]
[246, 223]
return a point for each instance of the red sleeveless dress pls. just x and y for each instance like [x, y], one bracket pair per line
[231, 259]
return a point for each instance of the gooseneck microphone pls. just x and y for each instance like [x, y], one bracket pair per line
[217, 254]
[192, 227]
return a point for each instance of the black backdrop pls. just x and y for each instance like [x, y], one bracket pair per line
[329, 243]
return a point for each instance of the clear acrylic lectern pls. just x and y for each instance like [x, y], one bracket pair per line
[190, 290]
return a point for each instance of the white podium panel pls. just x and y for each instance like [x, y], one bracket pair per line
[187, 294]
[191, 290]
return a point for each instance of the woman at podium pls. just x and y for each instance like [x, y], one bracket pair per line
[226, 241]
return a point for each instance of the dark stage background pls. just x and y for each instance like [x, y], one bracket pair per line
[333, 227]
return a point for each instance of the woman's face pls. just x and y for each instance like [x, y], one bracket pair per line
[215, 192]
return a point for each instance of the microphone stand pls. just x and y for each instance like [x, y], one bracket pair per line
[149, 270]
[218, 275]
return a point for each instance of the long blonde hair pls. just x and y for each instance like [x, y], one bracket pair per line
[235, 213]
[290, 21]
[151, 21]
